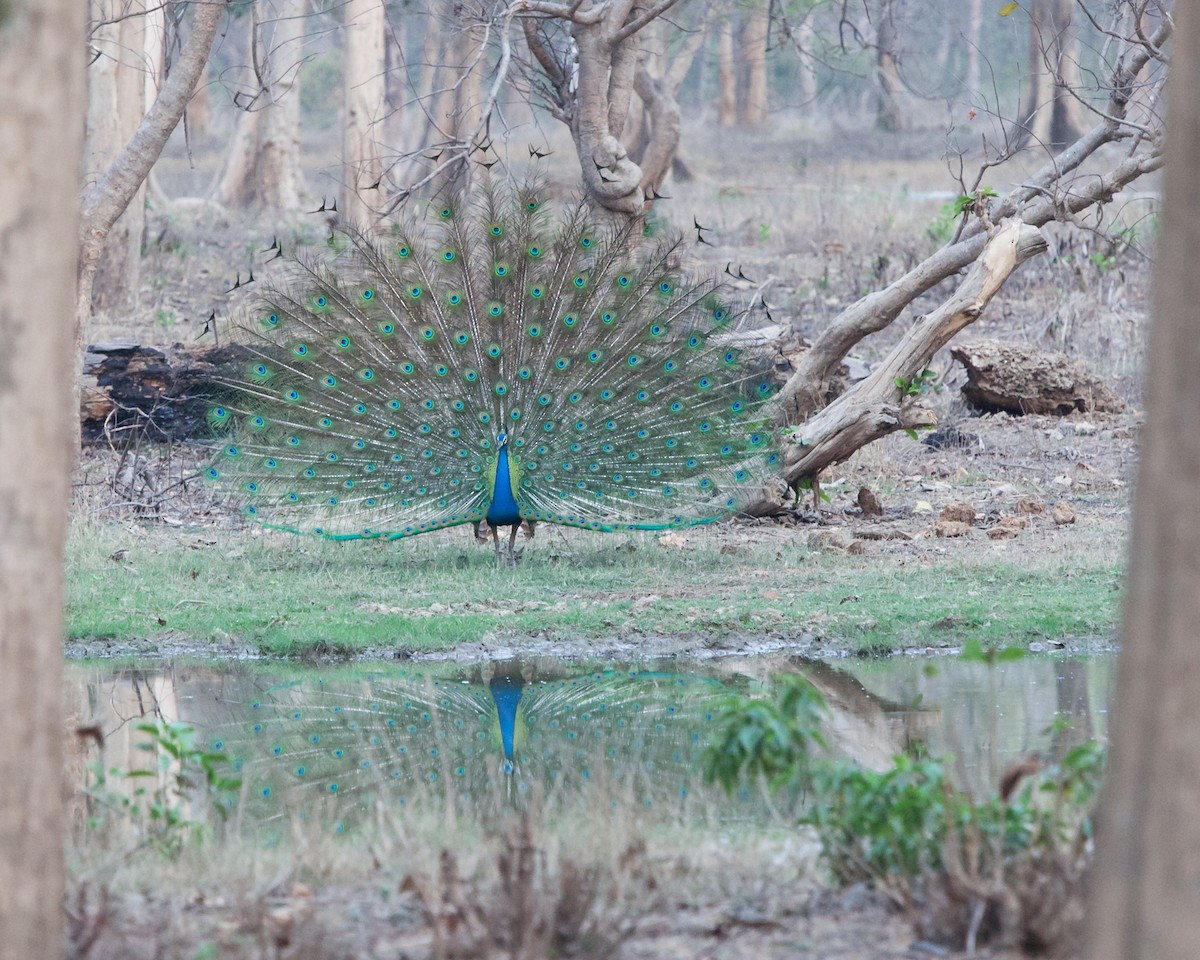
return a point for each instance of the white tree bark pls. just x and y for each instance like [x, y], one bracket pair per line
[281, 36]
[41, 130]
[364, 93]
[117, 82]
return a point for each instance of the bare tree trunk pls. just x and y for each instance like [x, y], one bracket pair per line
[282, 34]
[753, 49]
[234, 186]
[888, 113]
[806, 38]
[1050, 114]
[726, 74]
[106, 199]
[974, 32]
[41, 127]
[1144, 895]
[117, 80]
[363, 83]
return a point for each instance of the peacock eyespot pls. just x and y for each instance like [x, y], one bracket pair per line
[569, 320]
[445, 213]
[455, 299]
[407, 368]
[368, 294]
[595, 355]
[320, 301]
[441, 369]
[493, 350]
[330, 381]
[470, 376]
[535, 251]
[403, 251]
[623, 281]
[428, 333]
[525, 373]
[387, 329]
[608, 317]
[531, 205]
[300, 350]
[448, 256]
[535, 292]
[461, 338]
[495, 309]
[502, 269]
[634, 359]
[562, 363]
[497, 230]
[367, 374]
[534, 330]
[580, 282]
[414, 292]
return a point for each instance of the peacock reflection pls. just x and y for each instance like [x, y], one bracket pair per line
[484, 738]
[340, 746]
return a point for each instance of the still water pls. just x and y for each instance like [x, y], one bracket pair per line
[341, 745]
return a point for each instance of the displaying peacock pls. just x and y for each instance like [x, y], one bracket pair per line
[491, 364]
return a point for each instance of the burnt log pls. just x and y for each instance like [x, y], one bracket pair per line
[133, 390]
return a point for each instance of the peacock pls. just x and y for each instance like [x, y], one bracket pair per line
[491, 363]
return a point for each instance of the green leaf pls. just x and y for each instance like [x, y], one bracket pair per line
[1009, 8]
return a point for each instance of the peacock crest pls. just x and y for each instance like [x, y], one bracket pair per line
[492, 363]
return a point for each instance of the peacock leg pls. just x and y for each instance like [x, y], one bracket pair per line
[495, 538]
[512, 541]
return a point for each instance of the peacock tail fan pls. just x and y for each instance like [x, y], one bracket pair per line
[382, 393]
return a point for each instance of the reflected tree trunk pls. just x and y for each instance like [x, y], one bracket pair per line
[1145, 892]
[41, 134]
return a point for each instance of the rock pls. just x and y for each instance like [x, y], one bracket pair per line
[868, 503]
[1021, 379]
[1064, 513]
[1029, 506]
[951, 528]
[1007, 528]
[922, 506]
[960, 512]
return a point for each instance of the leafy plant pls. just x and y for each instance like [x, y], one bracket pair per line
[921, 383]
[159, 812]
[772, 739]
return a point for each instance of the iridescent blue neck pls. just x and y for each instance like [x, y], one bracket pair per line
[503, 511]
[507, 695]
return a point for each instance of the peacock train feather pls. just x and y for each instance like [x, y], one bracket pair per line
[495, 365]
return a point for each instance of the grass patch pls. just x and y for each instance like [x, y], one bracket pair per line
[284, 595]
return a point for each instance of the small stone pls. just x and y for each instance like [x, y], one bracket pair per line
[922, 506]
[1001, 532]
[1030, 506]
[868, 503]
[951, 528]
[1063, 514]
[960, 512]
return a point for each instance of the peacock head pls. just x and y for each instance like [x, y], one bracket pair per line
[502, 440]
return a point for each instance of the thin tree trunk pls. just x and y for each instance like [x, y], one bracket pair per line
[280, 178]
[1050, 114]
[974, 32]
[755, 31]
[363, 98]
[117, 80]
[41, 132]
[726, 75]
[1146, 888]
[888, 113]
